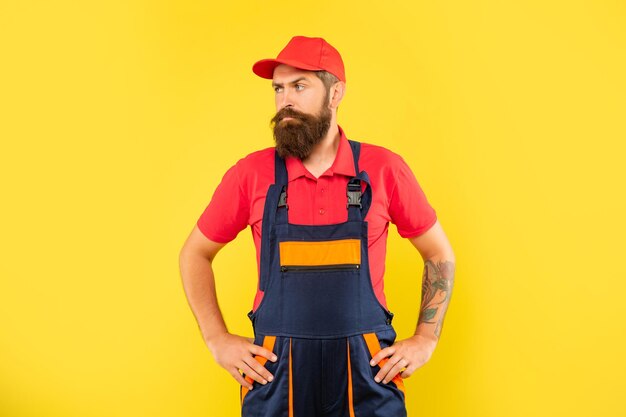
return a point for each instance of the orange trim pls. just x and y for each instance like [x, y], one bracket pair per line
[373, 345]
[268, 343]
[350, 404]
[290, 384]
[332, 252]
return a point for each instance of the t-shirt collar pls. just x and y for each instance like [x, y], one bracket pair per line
[343, 163]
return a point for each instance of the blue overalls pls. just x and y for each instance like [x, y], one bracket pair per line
[319, 314]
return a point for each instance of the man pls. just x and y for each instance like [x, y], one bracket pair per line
[319, 206]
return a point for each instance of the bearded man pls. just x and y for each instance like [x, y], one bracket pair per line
[319, 207]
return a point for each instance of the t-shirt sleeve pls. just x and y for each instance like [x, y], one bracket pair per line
[409, 208]
[228, 212]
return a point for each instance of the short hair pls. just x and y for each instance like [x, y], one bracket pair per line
[328, 80]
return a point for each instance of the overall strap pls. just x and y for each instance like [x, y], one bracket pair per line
[358, 201]
[275, 209]
[281, 179]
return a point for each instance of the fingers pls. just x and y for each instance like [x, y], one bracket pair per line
[260, 372]
[261, 351]
[408, 372]
[242, 381]
[252, 368]
[402, 358]
[251, 373]
[385, 363]
[383, 353]
[385, 368]
[393, 366]
[239, 355]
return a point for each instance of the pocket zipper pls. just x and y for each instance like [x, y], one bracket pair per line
[286, 268]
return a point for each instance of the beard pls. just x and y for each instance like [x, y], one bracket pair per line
[299, 135]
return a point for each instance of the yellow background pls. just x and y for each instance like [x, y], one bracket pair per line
[118, 119]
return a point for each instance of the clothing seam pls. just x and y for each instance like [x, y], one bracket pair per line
[421, 230]
[393, 193]
[242, 194]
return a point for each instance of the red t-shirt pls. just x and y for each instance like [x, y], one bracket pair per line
[397, 197]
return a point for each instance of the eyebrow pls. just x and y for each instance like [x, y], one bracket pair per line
[274, 84]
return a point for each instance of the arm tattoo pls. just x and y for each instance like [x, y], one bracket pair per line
[437, 282]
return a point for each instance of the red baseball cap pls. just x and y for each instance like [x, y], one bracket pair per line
[313, 54]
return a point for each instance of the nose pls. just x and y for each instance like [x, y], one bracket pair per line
[284, 99]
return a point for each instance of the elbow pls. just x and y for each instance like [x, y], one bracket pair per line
[440, 256]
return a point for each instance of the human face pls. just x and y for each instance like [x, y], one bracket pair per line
[303, 116]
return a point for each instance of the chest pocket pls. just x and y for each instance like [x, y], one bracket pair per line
[320, 286]
[320, 255]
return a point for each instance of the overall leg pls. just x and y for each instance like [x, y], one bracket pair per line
[307, 386]
[271, 399]
[371, 398]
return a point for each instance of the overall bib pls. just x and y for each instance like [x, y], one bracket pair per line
[319, 314]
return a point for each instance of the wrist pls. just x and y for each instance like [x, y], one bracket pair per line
[427, 336]
[212, 339]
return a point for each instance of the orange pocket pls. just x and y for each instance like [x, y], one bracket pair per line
[331, 252]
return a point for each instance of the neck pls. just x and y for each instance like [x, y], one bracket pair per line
[324, 153]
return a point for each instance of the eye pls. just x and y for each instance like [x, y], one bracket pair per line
[276, 89]
[299, 85]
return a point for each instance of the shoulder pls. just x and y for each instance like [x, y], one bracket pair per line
[380, 157]
[254, 159]
[255, 170]
[255, 163]
[385, 168]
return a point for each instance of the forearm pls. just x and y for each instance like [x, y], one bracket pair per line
[199, 285]
[437, 283]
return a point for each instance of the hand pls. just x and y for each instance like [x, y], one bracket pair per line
[235, 353]
[409, 353]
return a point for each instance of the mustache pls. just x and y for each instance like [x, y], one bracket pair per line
[288, 112]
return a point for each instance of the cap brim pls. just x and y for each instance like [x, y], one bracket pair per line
[265, 67]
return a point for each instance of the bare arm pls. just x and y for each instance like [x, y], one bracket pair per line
[437, 282]
[232, 352]
[196, 270]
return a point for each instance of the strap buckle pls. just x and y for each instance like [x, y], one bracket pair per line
[282, 200]
[389, 318]
[354, 194]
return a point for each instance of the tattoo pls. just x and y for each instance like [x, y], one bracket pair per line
[437, 282]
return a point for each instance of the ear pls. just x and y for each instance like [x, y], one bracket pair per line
[337, 92]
